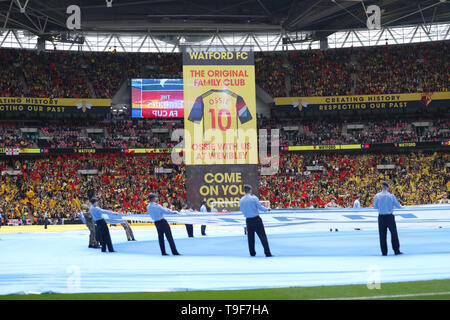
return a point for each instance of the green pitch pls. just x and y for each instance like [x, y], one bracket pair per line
[418, 290]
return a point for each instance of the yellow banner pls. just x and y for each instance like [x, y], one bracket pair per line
[397, 101]
[220, 111]
[19, 150]
[324, 147]
[154, 150]
[396, 97]
[54, 105]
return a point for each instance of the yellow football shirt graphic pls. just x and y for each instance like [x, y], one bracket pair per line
[220, 110]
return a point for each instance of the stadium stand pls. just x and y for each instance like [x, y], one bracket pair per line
[53, 183]
[329, 131]
[138, 134]
[375, 70]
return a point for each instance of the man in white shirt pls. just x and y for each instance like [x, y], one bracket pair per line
[203, 209]
[385, 202]
[157, 213]
[356, 204]
[102, 232]
[189, 227]
[45, 219]
[251, 208]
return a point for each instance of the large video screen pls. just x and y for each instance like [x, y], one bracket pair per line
[157, 98]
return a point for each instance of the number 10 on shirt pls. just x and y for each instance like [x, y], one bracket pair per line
[223, 113]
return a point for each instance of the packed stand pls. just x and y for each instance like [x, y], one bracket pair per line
[142, 133]
[386, 69]
[55, 74]
[66, 74]
[269, 73]
[56, 136]
[417, 179]
[10, 137]
[401, 69]
[422, 67]
[106, 73]
[10, 79]
[53, 184]
[320, 132]
[154, 65]
[321, 73]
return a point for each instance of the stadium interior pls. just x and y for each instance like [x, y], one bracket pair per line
[43, 154]
[98, 99]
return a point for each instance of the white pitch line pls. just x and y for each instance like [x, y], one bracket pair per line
[391, 296]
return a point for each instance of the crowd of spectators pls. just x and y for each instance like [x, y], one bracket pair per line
[402, 69]
[418, 178]
[270, 73]
[386, 69]
[106, 73]
[422, 67]
[386, 131]
[52, 184]
[320, 73]
[54, 75]
[112, 134]
[9, 137]
[326, 131]
[142, 133]
[10, 83]
[57, 136]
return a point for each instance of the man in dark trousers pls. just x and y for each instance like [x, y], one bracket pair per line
[157, 212]
[203, 208]
[102, 231]
[45, 219]
[251, 208]
[189, 227]
[385, 202]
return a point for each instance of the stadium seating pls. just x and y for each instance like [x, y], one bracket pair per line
[382, 131]
[138, 134]
[374, 70]
[53, 183]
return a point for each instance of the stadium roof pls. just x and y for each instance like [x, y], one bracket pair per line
[210, 16]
